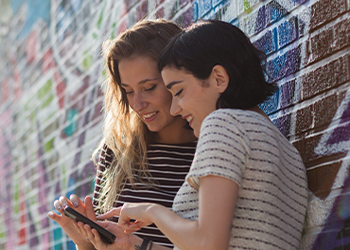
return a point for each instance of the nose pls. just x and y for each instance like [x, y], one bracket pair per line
[139, 102]
[175, 108]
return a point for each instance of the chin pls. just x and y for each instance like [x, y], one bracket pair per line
[154, 130]
[196, 133]
[155, 127]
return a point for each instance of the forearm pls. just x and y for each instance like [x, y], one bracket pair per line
[185, 234]
[212, 230]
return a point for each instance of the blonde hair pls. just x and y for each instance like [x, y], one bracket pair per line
[123, 131]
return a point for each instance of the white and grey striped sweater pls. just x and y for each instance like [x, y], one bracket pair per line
[248, 149]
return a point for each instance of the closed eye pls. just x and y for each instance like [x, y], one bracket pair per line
[128, 92]
[178, 93]
[152, 88]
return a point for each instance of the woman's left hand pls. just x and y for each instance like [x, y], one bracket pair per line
[122, 241]
[130, 211]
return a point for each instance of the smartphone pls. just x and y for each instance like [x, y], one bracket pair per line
[105, 235]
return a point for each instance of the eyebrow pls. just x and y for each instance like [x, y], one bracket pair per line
[141, 82]
[170, 85]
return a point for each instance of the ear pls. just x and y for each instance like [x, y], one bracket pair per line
[219, 74]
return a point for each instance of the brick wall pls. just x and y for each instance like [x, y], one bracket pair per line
[50, 101]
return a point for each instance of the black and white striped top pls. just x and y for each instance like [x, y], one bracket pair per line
[248, 149]
[168, 165]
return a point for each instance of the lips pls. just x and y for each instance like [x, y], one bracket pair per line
[189, 118]
[149, 116]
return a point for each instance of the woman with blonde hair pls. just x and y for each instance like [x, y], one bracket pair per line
[145, 152]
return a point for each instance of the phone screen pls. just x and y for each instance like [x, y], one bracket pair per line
[105, 235]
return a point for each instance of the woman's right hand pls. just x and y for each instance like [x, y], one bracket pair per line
[67, 224]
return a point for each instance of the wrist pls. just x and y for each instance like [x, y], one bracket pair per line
[136, 243]
[85, 246]
[151, 212]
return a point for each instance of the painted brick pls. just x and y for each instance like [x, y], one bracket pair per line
[195, 11]
[321, 12]
[214, 3]
[287, 91]
[186, 18]
[175, 7]
[260, 22]
[307, 83]
[287, 4]
[323, 79]
[304, 21]
[283, 124]
[129, 4]
[268, 42]
[342, 132]
[310, 144]
[249, 4]
[321, 44]
[343, 234]
[320, 186]
[182, 3]
[341, 70]
[160, 13]
[50, 128]
[242, 25]
[300, 146]
[341, 96]
[325, 10]
[250, 23]
[300, 2]
[204, 7]
[324, 110]
[304, 119]
[274, 11]
[270, 106]
[342, 34]
[212, 14]
[286, 64]
[338, 7]
[287, 32]
[240, 7]
[335, 232]
[229, 11]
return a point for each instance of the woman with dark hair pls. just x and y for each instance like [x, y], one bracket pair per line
[247, 187]
[145, 152]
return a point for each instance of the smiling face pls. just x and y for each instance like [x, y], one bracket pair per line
[147, 94]
[193, 98]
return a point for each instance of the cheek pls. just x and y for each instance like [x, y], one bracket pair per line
[130, 101]
[165, 99]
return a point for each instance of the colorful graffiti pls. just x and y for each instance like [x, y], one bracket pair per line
[50, 101]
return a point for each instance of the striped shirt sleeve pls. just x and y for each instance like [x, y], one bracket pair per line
[222, 150]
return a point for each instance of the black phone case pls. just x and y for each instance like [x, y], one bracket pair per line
[105, 235]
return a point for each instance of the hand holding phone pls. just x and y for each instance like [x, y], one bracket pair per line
[105, 235]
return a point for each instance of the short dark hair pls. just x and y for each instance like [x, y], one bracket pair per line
[203, 45]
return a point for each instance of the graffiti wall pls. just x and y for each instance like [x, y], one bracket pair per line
[50, 101]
